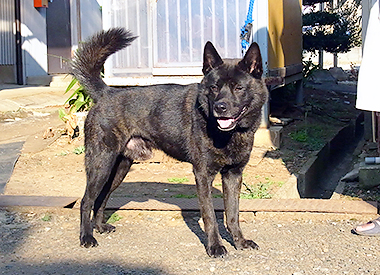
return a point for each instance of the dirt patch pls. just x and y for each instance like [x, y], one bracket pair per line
[58, 170]
[46, 241]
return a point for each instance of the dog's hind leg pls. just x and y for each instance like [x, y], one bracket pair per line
[204, 180]
[100, 161]
[121, 168]
[232, 180]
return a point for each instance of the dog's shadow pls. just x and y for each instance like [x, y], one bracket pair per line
[181, 198]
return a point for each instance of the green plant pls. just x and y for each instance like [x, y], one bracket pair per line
[259, 191]
[78, 101]
[114, 218]
[178, 180]
[63, 153]
[79, 150]
[308, 69]
[46, 218]
[300, 135]
[311, 136]
[184, 196]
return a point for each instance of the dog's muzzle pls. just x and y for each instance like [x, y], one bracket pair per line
[229, 123]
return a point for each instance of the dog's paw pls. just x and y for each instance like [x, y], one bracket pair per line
[216, 251]
[88, 241]
[104, 228]
[246, 244]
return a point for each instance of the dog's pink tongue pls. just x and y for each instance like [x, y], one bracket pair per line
[225, 123]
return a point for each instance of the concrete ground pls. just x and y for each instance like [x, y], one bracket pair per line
[13, 97]
[37, 106]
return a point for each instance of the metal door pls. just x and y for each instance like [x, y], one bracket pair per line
[58, 36]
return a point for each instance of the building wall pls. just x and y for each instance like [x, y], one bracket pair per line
[33, 33]
[91, 15]
[86, 19]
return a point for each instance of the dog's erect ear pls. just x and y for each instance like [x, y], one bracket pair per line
[252, 62]
[211, 58]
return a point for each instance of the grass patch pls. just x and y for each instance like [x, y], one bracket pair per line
[259, 191]
[114, 218]
[184, 196]
[63, 153]
[178, 180]
[79, 150]
[46, 218]
[311, 135]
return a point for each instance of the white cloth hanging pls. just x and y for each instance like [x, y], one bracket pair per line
[368, 89]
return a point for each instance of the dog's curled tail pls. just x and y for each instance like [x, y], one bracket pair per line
[91, 55]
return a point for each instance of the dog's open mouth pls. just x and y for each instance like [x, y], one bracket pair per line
[228, 124]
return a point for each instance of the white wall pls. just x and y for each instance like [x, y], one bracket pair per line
[34, 45]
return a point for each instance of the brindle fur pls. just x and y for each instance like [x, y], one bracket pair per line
[183, 121]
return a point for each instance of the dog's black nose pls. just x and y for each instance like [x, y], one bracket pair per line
[220, 107]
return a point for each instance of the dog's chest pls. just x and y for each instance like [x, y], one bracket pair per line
[235, 152]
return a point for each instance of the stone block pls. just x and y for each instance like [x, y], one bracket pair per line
[289, 190]
[369, 175]
[338, 73]
[268, 137]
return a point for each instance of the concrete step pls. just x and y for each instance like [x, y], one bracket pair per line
[268, 137]
[55, 81]
[180, 204]
[61, 80]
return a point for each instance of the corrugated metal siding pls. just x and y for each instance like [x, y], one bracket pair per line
[172, 33]
[7, 38]
[133, 15]
[183, 26]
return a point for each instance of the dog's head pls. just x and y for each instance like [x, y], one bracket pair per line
[232, 90]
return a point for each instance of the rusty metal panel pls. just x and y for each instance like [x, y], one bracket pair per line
[284, 33]
[58, 28]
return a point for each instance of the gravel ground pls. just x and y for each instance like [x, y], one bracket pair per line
[46, 241]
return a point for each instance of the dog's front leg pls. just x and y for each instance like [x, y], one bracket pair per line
[232, 180]
[204, 185]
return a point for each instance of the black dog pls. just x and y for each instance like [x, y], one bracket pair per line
[210, 124]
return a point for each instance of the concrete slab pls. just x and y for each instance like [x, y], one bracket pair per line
[14, 97]
[9, 154]
[369, 175]
[289, 190]
[258, 205]
[38, 201]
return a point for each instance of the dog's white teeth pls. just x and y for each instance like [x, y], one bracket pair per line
[225, 123]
